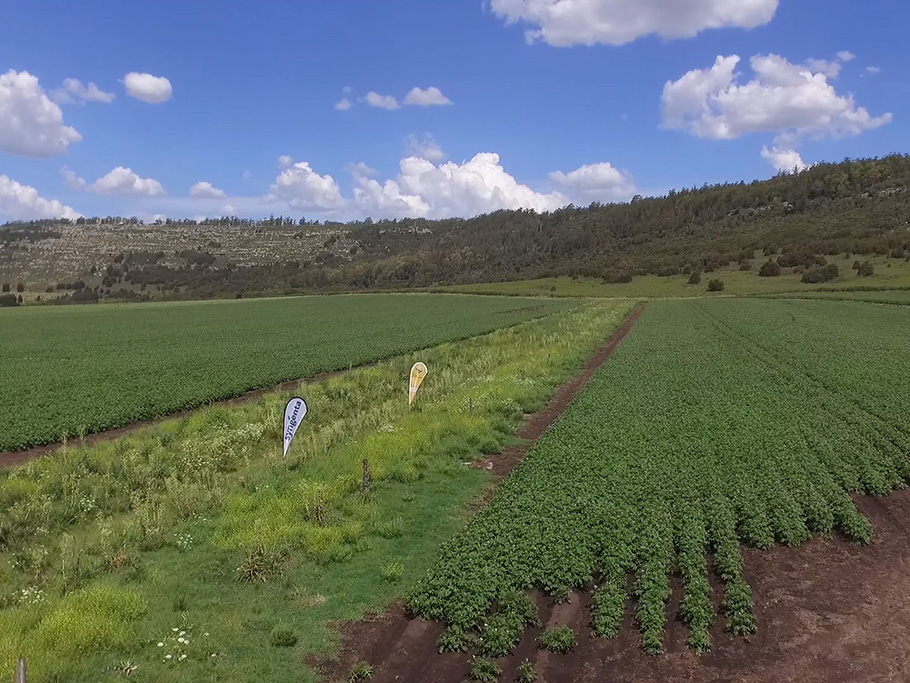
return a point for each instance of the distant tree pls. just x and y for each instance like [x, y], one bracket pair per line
[866, 269]
[695, 277]
[20, 287]
[824, 274]
[856, 264]
[716, 285]
[769, 268]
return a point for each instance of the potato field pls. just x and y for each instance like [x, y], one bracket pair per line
[716, 423]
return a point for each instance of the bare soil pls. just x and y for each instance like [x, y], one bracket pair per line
[827, 611]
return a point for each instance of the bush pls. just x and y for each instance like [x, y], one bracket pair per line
[716, 285]
[856, 265]
[484, 670]
[391, 572]
[558, 639]
[695, 277]
[770, 268]
[866, 269]
[825, 274]
[526, 672]
[361, 671]
[282, 636]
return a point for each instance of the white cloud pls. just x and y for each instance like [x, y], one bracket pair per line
[615, 22]
[30, 124]
[122, 181]
[477, 186]
[788, 99]
[285, 160]
[430, 97]
[846, 56]
[205, 190]
[303, 188]
[148, 88]
[22, 202]
[343, 104]
[786, 160]
[247, 174]
[823, 66]
[383, 101]
[873, 69]
[361, 169]
[74, 88]
[73, 181]
[347, 90]
[228, 210]
[424, 147]
[596, 183]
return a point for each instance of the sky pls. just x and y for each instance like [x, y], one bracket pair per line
[404, 108]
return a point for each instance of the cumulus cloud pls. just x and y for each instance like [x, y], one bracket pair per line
[148, 88]
[361, 169]
[383, 101]
[790, 100]
[785, 160]
[595, 183]
[205, 190]
[302, 188]
[120, 181]
[873, 70]
[343, 104]
[423, 188]
[30, 124]
[846, 56]
[285, 160]
[74, 90]
[228, 210]
[22, 202]
[430, 97]
[615, 22]
[424, 147]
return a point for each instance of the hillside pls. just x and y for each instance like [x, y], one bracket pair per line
[852, 207]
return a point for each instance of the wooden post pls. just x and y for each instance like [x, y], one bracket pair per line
[20, 671]
[366, 477]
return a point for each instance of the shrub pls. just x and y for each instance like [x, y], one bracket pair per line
[282, 636]
[484, 670]
[391, 572]
[866, 269]
[361, 671]
[695, 277]
[824, 274]
[856, 265]
[770, 268]
[558, 639]
[259, 565]
[716, 285]
[526, 672]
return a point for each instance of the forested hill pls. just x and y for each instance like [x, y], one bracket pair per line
[861, 207]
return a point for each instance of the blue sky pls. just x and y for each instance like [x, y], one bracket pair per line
[571, 95]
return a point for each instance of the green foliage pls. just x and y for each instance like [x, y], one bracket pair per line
[282, 636]
[715, 285]
[641, 477]
[135, 362]
[558, 639]
[361, 671]
[769, 268]
[866, 269]
[823, 274]
[695, 277]
[526, 672]
[391, 572]
[484, 670]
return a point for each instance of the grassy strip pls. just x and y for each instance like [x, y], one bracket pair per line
[215, 536]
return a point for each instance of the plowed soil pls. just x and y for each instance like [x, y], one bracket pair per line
[827, 611]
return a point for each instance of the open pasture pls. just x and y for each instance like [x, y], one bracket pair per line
[717, 423]
[69, 371]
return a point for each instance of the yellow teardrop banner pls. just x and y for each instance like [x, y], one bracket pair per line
[418, 372]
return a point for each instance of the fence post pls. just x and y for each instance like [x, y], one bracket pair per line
[366, 477]
[20, 671]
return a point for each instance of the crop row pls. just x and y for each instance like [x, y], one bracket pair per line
[716, 423]
[74, 370]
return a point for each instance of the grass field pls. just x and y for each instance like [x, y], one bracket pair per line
[897, 297]
[716, 422]
[888, 273]
[76, 370]
[195, 534]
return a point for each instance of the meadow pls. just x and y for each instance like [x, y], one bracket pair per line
[717, 423]
[189, 550]
[889, 273]
[71, 371]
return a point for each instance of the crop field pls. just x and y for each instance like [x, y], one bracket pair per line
[897, 297]
[69, 371]
[190, 550]
[716, 423]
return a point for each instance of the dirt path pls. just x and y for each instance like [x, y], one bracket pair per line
[13, 458]
[402, 649]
